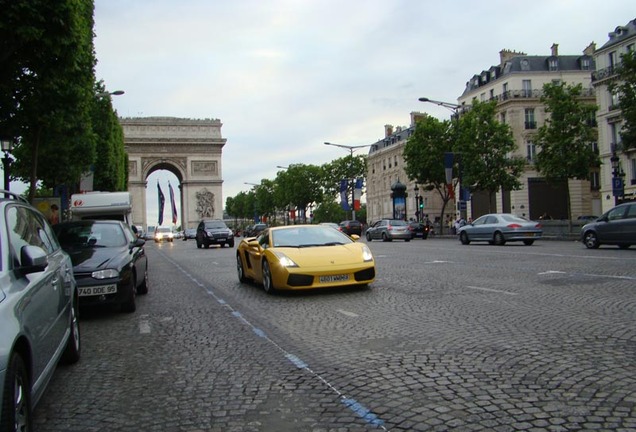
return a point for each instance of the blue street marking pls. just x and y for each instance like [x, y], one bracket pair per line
[295, 360]
[259, 332]
[363, 412]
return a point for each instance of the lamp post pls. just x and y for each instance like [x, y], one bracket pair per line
[351, 150]
[618, 187]
[455, 108]
[108, 94]
[417, 202]
[7, 146]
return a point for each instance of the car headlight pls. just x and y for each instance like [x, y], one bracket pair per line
[366, 254]
[284, 260]
[105, 274]
[170, 235]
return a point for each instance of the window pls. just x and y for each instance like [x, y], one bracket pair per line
[614, 100]
[586, 64]
[525, 65]
[492, 94]
[530, 121]
[612, 59]
[482, 97]
[527, 88]
[553, 64]
[614, 136]
[556, 82]
[394, 160]
[531, 151]
[25, 227]
[629, 48]
[632, 168]
[502, 117]
[595, 180]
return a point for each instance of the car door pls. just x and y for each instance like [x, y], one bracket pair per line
[476, 231]
[610, 229]
[628, 225]
[46, 295]
[138, 252]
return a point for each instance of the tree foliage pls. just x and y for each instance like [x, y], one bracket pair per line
[625, 85]
[565, 140]
[46, 91]
[424, 157]
[485, 146]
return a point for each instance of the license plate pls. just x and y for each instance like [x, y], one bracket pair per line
[97, 290]
[334, 278]
[529, 234]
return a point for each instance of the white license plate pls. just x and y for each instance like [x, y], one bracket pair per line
[334, 278]
[97, 290]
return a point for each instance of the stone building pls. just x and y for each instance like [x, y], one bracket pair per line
[608, 116]
[516, 84]
[385, 167]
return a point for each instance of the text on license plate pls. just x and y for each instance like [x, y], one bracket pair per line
[334, 278]
[97, 290]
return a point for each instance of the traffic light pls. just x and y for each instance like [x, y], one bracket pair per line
[421, 202]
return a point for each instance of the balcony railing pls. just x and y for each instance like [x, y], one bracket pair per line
[604, 73]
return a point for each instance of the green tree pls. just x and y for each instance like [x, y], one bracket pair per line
[484, 145]
[299, 185]
[564, 142]
[46, 81]
[349, 168]
[625, 85]
[424, 157]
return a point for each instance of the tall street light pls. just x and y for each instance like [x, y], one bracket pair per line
[108, 94]
[455, 108]
[351, 150]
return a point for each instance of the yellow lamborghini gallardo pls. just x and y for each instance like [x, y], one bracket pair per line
[297, 257]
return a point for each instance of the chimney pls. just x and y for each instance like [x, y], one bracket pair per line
[505, 55]
[590, 50]
[555, 50]
[388, 130]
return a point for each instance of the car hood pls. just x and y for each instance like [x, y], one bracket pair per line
[96, 258]
[324, 255]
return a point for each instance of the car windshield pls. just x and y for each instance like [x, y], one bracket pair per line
[94, 234]
[164, 229]
[397, 222]
[513, 218]
[308, 237]
[215, 225]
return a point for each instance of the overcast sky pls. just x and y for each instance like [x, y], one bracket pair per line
[284, 76]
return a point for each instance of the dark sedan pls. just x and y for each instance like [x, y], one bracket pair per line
[214, 231]
[615, 227]
[109, 261]
[499, 228]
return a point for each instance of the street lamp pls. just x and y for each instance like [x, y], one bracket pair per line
[108, 94]
[351, 150]
[448, 163]
[7, 146]
[417, 202]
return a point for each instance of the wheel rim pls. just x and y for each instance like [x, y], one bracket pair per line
[239, 267]
[75, 327]
[463, 237]
[267, 277]
[20, 404]
[590, 240]
[499, 238]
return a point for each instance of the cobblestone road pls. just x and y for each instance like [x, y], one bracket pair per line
[449, 337]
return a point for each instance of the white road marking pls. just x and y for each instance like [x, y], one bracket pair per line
[552, 272]
[491, 290]
[144, 325]
[347, 313]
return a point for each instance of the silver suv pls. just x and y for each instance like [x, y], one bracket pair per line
[38, 309]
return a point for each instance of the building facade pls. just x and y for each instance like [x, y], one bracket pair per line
[618, 163]
[516, 84]
[385, 168]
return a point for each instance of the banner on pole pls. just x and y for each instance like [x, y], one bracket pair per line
[162, 201]
[343, 196]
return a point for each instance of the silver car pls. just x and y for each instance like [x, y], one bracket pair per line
[388, 230]
[38, 310]
[499, 228]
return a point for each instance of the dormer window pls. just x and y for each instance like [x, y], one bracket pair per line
[525, 65]
[586, 64]
[553, 64]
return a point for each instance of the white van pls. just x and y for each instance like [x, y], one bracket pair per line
[102, 205]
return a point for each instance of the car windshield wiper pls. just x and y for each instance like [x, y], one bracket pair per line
[333, 244]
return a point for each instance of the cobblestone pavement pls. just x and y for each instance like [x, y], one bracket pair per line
[449, 337]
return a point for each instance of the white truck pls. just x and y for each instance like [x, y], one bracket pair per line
[102, 205]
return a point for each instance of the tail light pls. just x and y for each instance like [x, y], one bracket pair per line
[513, 225]
[538, 225]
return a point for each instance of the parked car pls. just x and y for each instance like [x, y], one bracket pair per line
[254, 230]
[615, 227]
[419, 230]
[499, 228]
[163, 234]
[109, 262]
[389, 230]
[350, 227]
[189, 233]
[214, 231]
[38, 310]
[297, 257]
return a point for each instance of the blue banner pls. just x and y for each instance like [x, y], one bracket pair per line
[343, 195]
[162, 201]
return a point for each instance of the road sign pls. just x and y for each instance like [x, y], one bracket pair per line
[618, 188]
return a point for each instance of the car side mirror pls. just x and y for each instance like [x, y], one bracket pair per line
[33, 259]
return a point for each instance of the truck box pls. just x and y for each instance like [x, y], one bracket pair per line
[102, 205]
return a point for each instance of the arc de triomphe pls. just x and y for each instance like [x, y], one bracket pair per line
[189, 148]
